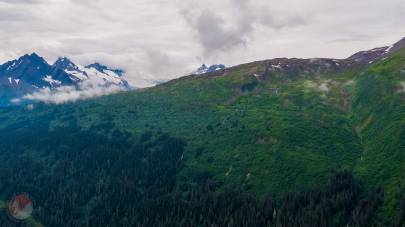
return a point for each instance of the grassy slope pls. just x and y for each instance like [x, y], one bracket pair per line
[379, 119]
[269, 137]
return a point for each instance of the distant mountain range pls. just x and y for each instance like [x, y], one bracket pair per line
[31, 73]
[314, 65]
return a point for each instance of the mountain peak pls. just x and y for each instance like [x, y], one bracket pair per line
[102, 68]
[33, 54]
[63, 59]
[203, 69]
[97, 66]
[96, 72]
[203, 66]
[65, 64]
[32, 57]
[31, 72]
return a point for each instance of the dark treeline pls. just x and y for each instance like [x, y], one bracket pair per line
[80, 178]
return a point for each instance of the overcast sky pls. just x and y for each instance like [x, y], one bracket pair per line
[162, 39]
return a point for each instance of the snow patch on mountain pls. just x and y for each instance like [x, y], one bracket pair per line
[52, 81]
[99, 74]
[203, 69]
[104, 77]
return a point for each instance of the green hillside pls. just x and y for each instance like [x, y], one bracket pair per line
[264, 138]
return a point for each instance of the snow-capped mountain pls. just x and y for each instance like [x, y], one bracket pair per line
[97, 73]
[375, 54]
[31, 73]
[203, 69]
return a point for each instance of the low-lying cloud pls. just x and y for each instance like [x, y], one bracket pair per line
[64, 94]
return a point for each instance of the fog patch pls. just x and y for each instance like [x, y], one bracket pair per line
[66, 94]
[349, 82]
[402, 83]
[30, 107]
[323, 86]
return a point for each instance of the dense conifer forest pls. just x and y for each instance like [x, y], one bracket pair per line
[96, 180]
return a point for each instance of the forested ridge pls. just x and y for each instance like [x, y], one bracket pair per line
[288, 149]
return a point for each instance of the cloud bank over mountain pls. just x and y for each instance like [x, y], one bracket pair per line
[155, 40]
[66, 94]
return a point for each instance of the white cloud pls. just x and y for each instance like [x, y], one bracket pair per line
[163, 39]
[64, 94]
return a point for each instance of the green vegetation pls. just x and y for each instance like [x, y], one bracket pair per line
[285, 135]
